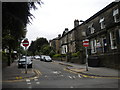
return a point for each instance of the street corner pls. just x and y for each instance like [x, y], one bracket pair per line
[85, 74]
[77, 69]
[66, 64]
[31, 74]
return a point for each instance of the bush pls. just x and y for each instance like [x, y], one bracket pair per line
[76, 54]
[57, 55]
[63, 55]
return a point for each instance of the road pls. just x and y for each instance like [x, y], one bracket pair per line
[54, 75]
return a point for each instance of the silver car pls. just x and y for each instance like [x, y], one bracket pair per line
[47, 59]
[22, 62]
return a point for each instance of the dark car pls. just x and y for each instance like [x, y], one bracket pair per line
[22, 62]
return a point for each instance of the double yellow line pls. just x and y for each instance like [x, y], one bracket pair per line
[19, 79]
[92, 76]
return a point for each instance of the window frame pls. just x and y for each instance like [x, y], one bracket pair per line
[102, 23]
[93, 46]
[116, 15]
[113, 40]
[91, 28]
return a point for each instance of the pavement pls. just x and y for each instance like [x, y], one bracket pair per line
[93, 72]
[13, 74]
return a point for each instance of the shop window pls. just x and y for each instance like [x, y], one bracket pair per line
[116, 15]
[91, 28]
[93, 46]
[102, 23]
[113, 40]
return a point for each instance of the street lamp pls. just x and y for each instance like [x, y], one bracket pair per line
[86, 44]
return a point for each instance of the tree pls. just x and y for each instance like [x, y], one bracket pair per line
[40, 42]
[37, 45]
[48, 50]
[15, 17]
[31, 48]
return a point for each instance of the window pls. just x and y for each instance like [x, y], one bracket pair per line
[116, 15]
[64, 49]
[93, 46]
[83, 33]
[113, 40]
[91, 28]
[104, 44]
[102, 23]
[98, 45]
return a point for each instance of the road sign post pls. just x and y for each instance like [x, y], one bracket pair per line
[86, 44]
[25, 44]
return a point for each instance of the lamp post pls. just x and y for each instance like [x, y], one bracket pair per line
[86, 44]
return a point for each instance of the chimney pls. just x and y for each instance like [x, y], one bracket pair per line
[59, 35]
[66, 30]
[76, 23]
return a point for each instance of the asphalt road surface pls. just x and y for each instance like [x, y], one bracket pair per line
[54, 75]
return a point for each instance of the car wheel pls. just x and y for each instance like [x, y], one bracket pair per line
[30, 66]
[18, 66]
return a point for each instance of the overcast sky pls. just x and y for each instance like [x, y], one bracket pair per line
[52, 17]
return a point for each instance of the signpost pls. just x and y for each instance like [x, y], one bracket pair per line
[25, 44]
[86, 44]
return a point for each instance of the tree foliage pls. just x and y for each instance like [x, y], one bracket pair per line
[40, 46]
[15, 17]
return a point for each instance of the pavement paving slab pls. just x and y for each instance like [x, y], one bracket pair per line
[14, 73]
[98, 71]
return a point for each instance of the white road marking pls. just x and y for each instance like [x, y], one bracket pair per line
[35, 79]
[74, 77]
[37, 82]
[61, 75]
[56, 72]
[70, 77]
[29, 83]
[27, 80]
[79, 75]
[59, 72]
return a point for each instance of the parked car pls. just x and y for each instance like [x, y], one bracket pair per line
[22, 62]
[47, 59]
[37, 57]
[42, 57]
